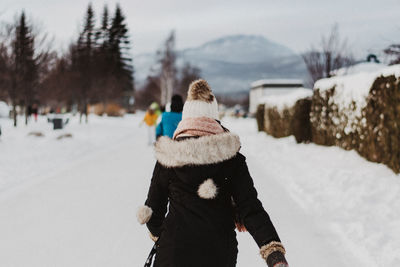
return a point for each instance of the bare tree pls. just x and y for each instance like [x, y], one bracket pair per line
[24, 59]
[149, 93]
[189, 73]
[8, 79]
[168, 69]
[333, 53]
[394, 52]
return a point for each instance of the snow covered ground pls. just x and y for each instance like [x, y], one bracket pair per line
[72, 202]
[26, 158]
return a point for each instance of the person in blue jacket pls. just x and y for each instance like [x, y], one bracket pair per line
[170, 120]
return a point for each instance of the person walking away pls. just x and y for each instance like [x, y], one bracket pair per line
[35, 111]
[29, 112]
[170, 120]
[154, 106]
[203, 181]
[150, 118]
[158, 110]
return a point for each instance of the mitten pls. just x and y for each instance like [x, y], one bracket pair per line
[276, 259]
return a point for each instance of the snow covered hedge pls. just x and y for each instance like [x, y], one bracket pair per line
[260, 117]
[286, 114]
[361, 112]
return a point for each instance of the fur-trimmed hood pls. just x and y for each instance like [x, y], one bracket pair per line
[208, 149]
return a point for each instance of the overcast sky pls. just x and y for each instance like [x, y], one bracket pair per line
[369, 25]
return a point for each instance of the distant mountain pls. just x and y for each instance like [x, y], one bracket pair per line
[231, 63]
[238, 49]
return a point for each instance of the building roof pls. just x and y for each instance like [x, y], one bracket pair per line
[277, 83]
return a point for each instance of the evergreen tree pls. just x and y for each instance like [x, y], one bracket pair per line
[104, 83]
[25, 69]
[84, 61]
[24, 63]
[121, 61]
[102, 34]
[4, 71]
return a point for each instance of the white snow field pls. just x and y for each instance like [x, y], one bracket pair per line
[72, 202]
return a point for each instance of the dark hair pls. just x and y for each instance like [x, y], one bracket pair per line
[176, 103]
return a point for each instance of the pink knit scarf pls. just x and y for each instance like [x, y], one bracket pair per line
[198, 127]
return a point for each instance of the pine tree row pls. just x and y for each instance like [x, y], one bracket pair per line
[97, 68]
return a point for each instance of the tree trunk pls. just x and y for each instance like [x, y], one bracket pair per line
[26, 115]
[328, 64]
[15, 115]
[86, 114]
[80, 113]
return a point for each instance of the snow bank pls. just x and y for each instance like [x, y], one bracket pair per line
[288, 100]
[360, 111]
[359, 68]
[4, 110]
[354, 87]
[286, 114]
[354, 201]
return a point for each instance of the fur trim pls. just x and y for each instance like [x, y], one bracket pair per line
[208, 149]
[152, 237]
[200, 90]
[144, 214]
[208, 189]
[271, 247]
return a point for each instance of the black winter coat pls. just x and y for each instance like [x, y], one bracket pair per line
[197, 180]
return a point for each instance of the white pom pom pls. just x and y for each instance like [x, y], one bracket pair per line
[144, 214]
[208, 189]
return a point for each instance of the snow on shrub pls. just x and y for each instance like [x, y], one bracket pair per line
[286, 114]
[362, 112]
[4, 110]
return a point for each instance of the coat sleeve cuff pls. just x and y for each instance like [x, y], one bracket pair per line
[271, 247]
[144, 214]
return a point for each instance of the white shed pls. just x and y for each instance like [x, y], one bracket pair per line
[262, 88]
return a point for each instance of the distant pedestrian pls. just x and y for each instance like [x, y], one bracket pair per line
[154, 106]
[29, 111]
[35, 111]
[202, 181]
[150, 118]
[171, 119]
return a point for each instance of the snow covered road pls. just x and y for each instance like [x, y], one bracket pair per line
[83, 214]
